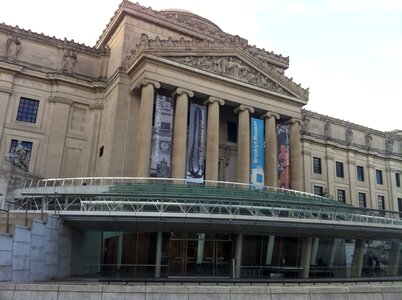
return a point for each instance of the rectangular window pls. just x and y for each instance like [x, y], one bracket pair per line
[317, 165]
[381, 202]
[378, 175]
[101, 151]
[27, 110]
[339, 169]
[400, 207]
[360, 173]
[362, 199]
[398, 179]
[341, 196]
[318, 190]
[232, 132]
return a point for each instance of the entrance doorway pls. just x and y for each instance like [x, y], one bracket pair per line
[199, 255]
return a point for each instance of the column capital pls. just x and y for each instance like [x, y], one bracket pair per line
[180, 91]
[212, 99]
[145, 82]
[295, 120]
[6, 90]
[243, 107]
[269, 114]
[57, 99]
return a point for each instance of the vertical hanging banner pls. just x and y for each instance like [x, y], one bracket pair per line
[162, 137]
[283, 156]
[257, 153]
[196, 144]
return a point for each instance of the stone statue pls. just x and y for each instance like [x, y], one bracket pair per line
[69, 60]
[327, 129]
[13, 48]
[19, 157]
[349, 136]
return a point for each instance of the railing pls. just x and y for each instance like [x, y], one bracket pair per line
[170, 197]
[106, 181]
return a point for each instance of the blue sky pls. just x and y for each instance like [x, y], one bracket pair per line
[349, 53]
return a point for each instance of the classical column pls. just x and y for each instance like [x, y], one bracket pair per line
[180, 133]
[238, 255]
[271, 149]
[306, 257]
[212, 156]
[144, 134]
[295, 156]
[394, 257]
[243, 143]
[358, 255]
[158, 258]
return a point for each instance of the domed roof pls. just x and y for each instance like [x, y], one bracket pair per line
[185, 15]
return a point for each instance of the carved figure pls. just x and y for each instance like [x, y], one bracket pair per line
[349, 136]
[19, 157]
[13, 48]
[369, 139]
[69, 60]
[389, 144]
[327, 129]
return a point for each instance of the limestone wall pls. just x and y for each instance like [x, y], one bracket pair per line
[39, 253]
[389, 291]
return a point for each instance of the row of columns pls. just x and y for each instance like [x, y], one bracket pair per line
[212, 150]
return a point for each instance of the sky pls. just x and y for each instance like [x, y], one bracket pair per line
[348, 52]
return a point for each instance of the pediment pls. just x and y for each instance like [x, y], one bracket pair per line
[229, 59]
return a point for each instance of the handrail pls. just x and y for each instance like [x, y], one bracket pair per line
[79, 181]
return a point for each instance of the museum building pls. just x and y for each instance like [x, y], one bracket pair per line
[174, 149]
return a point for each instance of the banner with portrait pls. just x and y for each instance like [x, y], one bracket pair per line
[196, 144]
[162, 137]
[283, 156]
[257, 153]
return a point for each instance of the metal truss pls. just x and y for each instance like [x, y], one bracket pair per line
[143, 199]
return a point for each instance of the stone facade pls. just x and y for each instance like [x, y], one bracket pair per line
[94, 116]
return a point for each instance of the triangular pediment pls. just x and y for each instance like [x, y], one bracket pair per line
[228, 59]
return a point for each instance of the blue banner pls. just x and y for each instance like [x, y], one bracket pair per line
[257, 153]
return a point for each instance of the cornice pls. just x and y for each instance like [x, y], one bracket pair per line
[61, 43]
[332, 120]
[58, 99]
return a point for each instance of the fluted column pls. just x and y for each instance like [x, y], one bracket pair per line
[144, 135]
[212, 156]
[243, 143]
[295, 156]
[180, 133]
[271, 149]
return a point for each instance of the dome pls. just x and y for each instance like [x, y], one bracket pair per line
[182, 15]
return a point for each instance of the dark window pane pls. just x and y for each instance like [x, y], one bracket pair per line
[378, 174]
[362, 199]
[317, 165]
[339, 169]
[232, 132]
[27, 110]
[360, 173]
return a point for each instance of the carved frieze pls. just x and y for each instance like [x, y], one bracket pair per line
[227, 66]
[231, 67]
